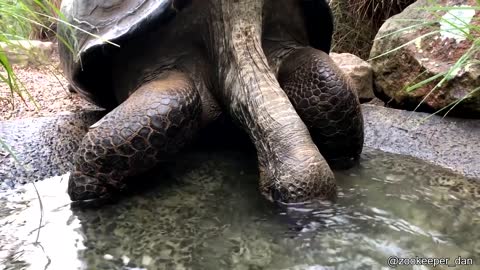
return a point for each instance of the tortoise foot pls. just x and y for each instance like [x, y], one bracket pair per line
[82, 187]
[154, 123]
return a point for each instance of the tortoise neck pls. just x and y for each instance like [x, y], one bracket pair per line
[250, 90]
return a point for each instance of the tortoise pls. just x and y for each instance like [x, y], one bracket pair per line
[166, 69]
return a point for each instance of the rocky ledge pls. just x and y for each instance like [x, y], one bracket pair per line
[452, 143]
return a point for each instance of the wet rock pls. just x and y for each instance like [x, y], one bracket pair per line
[359, 71]
[25, 52]
[453, 143]
[434, 51]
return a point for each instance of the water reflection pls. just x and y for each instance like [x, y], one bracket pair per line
[60, 236]
[207, 214]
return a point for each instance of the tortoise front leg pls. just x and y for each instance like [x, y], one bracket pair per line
[154, 123]
[326, 102]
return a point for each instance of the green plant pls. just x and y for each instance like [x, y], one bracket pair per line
[21, 18]
[18, 19]
[48, 7]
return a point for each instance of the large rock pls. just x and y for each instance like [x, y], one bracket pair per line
[28, 52]
[359, 71]
[435, 51]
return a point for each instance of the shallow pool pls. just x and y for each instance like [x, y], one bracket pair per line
[207, 214]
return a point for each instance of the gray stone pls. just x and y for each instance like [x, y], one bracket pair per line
[359, 71]
[452, 143]
[44, 146]
[423, 52]
[28, 52]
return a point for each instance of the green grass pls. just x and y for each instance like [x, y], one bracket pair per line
[19, 19]
[27, 19]
[357, 23]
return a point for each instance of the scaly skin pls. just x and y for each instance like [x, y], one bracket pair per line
[154, 123]
[291, 167]
[326, 102]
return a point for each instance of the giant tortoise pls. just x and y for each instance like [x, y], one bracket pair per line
[167, 68]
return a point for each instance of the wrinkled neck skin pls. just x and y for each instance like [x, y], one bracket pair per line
[247, 86]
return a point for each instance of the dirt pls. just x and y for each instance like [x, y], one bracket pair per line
[48, 89]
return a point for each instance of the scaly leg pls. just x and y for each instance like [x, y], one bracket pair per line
[154, 123]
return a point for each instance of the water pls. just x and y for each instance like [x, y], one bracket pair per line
[207, 214]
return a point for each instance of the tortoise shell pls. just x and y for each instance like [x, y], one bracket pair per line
[98, 28]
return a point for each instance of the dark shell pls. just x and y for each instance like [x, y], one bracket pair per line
[88, 64]
[319, 23]
[87, 68]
